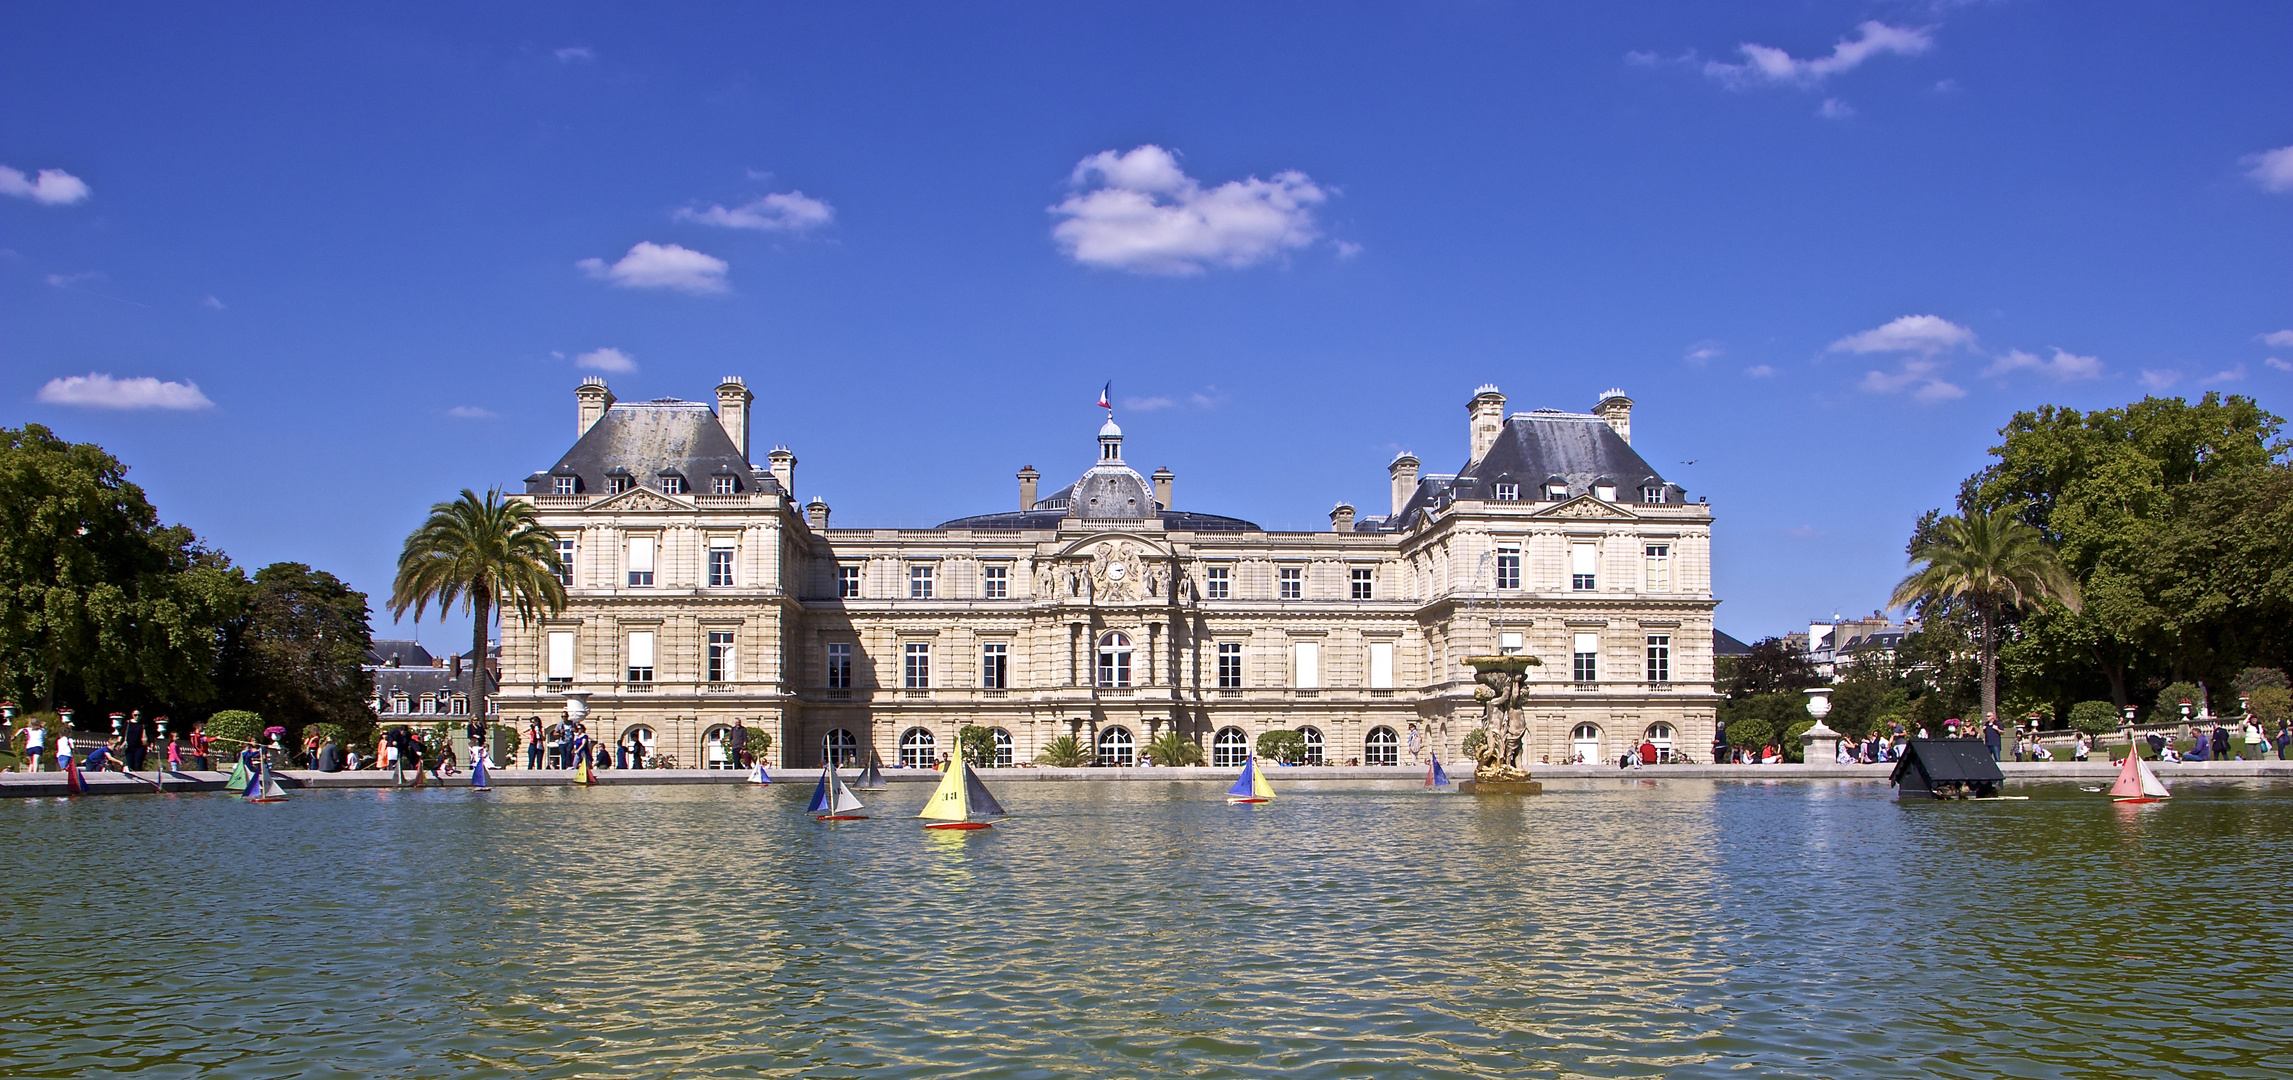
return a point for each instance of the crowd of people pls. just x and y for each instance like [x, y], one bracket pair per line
[2248, 741]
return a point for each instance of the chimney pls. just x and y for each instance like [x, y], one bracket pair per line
[816, 514]
[1342, 518]
[1027, 478]
[732, 411]
[1162, 479]
[457, 665]
[783, 465]
[594, 399]
[1404, 474]
[1615, 408]
[1487, 415]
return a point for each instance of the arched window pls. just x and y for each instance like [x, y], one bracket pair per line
[1229, 748]
[1382, 747]
[918, 750]
[1660, 735]
[716, 747]
[1313, 737]
[840, 748]
[1114, 658]
[1117, 750]
[639, 739]
[1584, 744]
[1003, 748]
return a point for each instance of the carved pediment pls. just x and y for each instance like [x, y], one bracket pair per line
[639, 499]
[1585, 506]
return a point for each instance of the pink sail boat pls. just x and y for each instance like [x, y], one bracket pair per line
[2137, 784]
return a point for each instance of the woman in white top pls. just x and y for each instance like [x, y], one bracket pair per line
[64, 747]
[35, 735]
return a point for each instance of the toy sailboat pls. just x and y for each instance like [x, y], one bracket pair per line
[2137, 784]
[75, 783]
[236, 784]
[584, 773]
[832, 801]
[758, 775]
[1435, 775]
[481, 778]
[1251, 786]
[872, 777]
[960, 796]
[265, 787]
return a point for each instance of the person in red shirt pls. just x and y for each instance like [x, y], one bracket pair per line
[1647, 752]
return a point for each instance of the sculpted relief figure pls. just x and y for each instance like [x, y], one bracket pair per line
[1502, 689]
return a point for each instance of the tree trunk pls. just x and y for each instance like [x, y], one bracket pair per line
[483, 608]
[1989, 649]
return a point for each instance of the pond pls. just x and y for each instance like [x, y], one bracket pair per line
[1607, 928]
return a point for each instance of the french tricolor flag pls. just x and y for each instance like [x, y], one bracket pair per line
[1104, 394]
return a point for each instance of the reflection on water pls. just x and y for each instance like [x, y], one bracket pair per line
[1608, 928]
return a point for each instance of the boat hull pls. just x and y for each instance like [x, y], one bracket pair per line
[2136, 799]
[964, 825]
[1233, 799]
[271, 798]
[840, 817]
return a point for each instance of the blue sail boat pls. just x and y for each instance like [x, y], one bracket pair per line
[265, 787]
[872, 777]
[481, 778]
[832, 801]
[1251, 786]
[1435, 776]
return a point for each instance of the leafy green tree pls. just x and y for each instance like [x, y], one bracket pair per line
[294, 653]
[978, 745]
[1992, 565]
[2271, 705]
[1763, 718]
[2170, 699]
[1171, 749]
[2094, 717]
[1064, 752]
[1283, 745]
[98, 600]
[1772, 666]
[482, 552]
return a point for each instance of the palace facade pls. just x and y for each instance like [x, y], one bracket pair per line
[703, 596]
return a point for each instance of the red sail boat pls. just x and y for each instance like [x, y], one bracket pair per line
[2137, 784]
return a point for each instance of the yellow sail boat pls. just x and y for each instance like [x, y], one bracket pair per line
[960, 796]
[1251, 786]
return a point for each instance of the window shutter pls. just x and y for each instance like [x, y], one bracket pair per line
[561, 654]
[641, 648]
[1381, 665]
[641, 554]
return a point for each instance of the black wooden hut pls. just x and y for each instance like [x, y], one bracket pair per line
[1946, 769]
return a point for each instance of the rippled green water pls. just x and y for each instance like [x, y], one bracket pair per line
[1607, 928]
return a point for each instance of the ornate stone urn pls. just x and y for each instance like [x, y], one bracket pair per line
[1502, 691]
[576, 705]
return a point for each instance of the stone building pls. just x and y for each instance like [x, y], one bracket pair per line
[704, 596]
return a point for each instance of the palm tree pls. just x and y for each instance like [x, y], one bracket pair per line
[1996, 565]
[1171, 749]
[483, 552]
[1064, 752]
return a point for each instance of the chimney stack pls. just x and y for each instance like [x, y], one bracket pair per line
[1342, 518]
[733, 400]
[593, 399]
[1404, 474]
[782, 462]
[1486, 413]
[1615, 408]
[816, 514]
[1027, 478]
[1162, 479]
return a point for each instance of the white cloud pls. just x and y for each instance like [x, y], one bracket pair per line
[2158, 380]
[2235, 374]
[2273, 170]
[96, 391]
[66, 281]
[661, 266]
[211, 303]
[55, 187]
[1759, 371]
[2278, 364]
[1947, 86]
[1348, 249]
[1138, 211]
[782, 212]
[575, 54]
[2063, 367]
[1922, 334]
[470, 412]
[1766, 64]
[1937, 390]
[606, 360]
[1704, 351]
[1834, 109]
[1922, 377]
[2282, 338]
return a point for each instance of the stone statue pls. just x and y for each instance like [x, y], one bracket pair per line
[1502, 691]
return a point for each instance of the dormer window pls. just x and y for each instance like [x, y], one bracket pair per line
[1604, 492]
[1556, 492]
[672, 484]
[562, 485]
[1508, 492]
[1652, 493]
[615, 485]
[723, 485]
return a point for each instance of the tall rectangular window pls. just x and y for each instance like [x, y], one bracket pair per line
[640, 560]
[847, 582]
[1659, 658]
[1583, 566]
[721, 656]
[561, 656]
[995, 666]
[1229, 665]
[720, 563]
[1587, 657]
[919, 665]
[840, 666]
[1220, 582]
[1364, 583]
[1381, 665]
[1508, 566]
[1509, 643]
[564, 561]
[1293, 582]
[1309, 665]
[640, 656]
[1659, 560]
[995, 582]
[919, 582]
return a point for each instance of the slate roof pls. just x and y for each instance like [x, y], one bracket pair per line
[1113, 494]
[1174, 520]
[1725, 644]
[643, 438]
[419, 681]
[409, 652]
[1578, 450]
[1946, 761]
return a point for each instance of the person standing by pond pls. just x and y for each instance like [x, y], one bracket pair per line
[1990, 734]
[35, 736]
[2220, 742]
[202, 748]
[2256, 743]
[533, 742]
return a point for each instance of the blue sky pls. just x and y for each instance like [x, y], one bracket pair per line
[308, 272]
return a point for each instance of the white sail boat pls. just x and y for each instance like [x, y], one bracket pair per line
[2136, 783]
[832, 801]
[266, 787]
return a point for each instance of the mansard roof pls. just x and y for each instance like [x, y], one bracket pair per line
[408, 652]
[1577, 450]
[1173, 520]
[647, 438]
